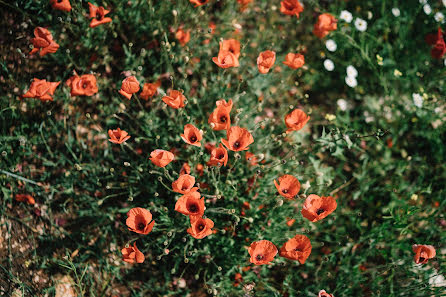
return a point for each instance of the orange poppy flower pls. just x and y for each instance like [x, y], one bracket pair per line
[191, 135]
[198, 2]
[182, 36]
[323, 293]
[423, 253]
[149, 90]
[220, 117]
[288, 186]
[161, 157]
[262, 252]
[43, 41]
[25, 198]
[265, 61]
[316, 208]
[244, 4]
[325, 23]
[118, 136]
[294, 61]
[228, 54]
[296, 120]
[297, 248]
[291, 7]
[184, 184]
[132, 255]
[190, 204]
[200, 169]
[63, 5]
[291, 222]
[238, 139]
[130, 85]
[219, 156]
[175, 99]
[84, 85]
[98, 15]
[139, 220]
[41, 89]
[232, 46]
[251, 158]
[200, 228]
[185, 169]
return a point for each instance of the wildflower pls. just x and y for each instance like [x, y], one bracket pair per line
[175, 99]
[41, 89]
[322, 293]
[265, 61]
[130, 85]
[427, 9]
[397, 73]
[329, 65]
[439, 17]
[219, 156]
[198, 2]
[342, 104]
[190, 204]
[244, 4]
[316, 208]
[294, 61]
[360, 24]
[296, 120]
[132, 255]
[288, 186]
[232, 46]
[417, 100]
[291, 7]
[184, 184]
[346, 16]
[139, 220]
[290, 222]
[396, 12]
[192, 135]
[330, 117]
[251, 158]
[238, 139]
[182, 36]
[228, 54]
[200, 228]
[331, 45]
[423, 253]
[25, 198]
[351, 81]
[118, 136]
[149, 90]
[325, 23]
[185, 169]
[97, 14]
[63, 5]
[220, 116]
[437, 41]
[351, 71]
[84, 85]
[297, 248]
[161, 157]
[262, 252]
[43, 41]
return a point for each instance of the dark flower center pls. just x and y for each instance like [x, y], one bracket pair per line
[184, 187]
[223, 119]
[84, 85]
[297, 249]
[141, 226]
[59, 1]
[220, 156]
[422, 259]
[193, 139]
[236, 144]
[193, 208]
[259, 257]
[99, 16]
[319, 211]
[200, 227]
[285, 191]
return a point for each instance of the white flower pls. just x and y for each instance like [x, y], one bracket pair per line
[331, 45]
[329, 65]
[439, 17]
[360, 24]
[427, 9]
[351, 71]
[346, 16]
[417, 100]
[351, 81]
[342, 104]
[444, 2]
[423, 1]
[396, 11]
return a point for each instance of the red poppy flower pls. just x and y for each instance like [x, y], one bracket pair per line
[161, 157]
[238, 139]
[43, 41]
[219, 156]
[322, 293]
[192, 135]
[297, 248]
[200, 228]
[439, 46]
[423, 253]
[325, 23]
[118, 136]
[251, 158]
[316, 208]
[262, 252]
[84, 85]
[130, 85]
[200, 169]
[265, 61]
[296, 120]
[288, 186]
[182, 36]
[184, 184]
[149, 90]
[98, 15]
[228, 54]
[175, 99]
[41, 89]
[291, 222]
[244, 4]
[198, 2]
[132, 255]
[291, 7]
[63, 5]
[294, 61]
[139, 220]
[190, 204]
[185, 169]
[232, 46]
[220, 118]
[25, 198]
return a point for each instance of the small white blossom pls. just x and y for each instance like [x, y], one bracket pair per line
[439, 17]
[417, 100]
[351, 81]
[360, 24]
[329, 65]
[423, 1]
[427, 9]
[396, 12]
[342, 104]
[346, 16]
[331, 45]
[351, 71]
